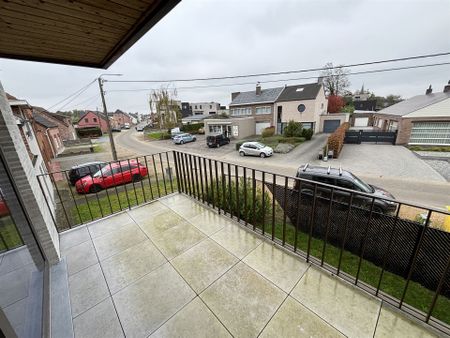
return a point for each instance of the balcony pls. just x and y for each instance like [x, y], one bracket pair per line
[176, 267]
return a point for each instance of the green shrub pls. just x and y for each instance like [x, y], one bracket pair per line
[307, 134]
[292, 140]
[268, 132]
[160, 136]
[89, 132]
[293, 129]
[191, 128]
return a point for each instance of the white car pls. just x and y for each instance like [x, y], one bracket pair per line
[255, 149]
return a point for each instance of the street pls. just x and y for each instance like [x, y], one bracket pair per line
[415, 182]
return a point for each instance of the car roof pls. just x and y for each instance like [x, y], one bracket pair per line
[87, 164]
[323, 171]
[252, 142]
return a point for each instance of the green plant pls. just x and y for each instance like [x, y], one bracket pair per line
[89, 132]
[192, 128]
[307, 134]
[292, 140]
[293, 129]
[268, 132]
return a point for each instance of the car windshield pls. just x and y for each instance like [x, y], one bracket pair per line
[362, 185]
[259, 145]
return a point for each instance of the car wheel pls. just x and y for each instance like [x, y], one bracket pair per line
[181, 142]
[194, 139]
[377, 209]
[217, 145]
[262, 155]
[95, 188]
[136, 178]
[241, 153]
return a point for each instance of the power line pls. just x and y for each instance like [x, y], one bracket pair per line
[73, 98]
[89, 100]
[408, 58]
[290, 79]
[81, 90]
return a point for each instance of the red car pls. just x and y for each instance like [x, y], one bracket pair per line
[4, 211]
[111, 175]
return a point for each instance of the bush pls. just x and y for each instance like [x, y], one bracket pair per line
[307, 134]
[89, 132]
[336, 140]
[292, 140]
[268, 132]
[192, 128]
[293, 129]
[160, 136]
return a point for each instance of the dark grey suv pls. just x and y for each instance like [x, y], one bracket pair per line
[81, 170]
[344, 179]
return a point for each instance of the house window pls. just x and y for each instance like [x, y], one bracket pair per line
[94, 119]
[263, 110]
[210, 106]
[195, 107]
[86, 120]
[215, 129]
[241, 111]
[200, 106]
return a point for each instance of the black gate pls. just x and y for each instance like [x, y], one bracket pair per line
[359, 136]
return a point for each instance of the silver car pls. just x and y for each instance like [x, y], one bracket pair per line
[255, 149]
[183, 138]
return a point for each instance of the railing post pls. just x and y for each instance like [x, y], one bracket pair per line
[311, 223]
[328, 227]
[345, 232]
[286, 181]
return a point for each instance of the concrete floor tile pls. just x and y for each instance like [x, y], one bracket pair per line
[203, 264]
[87, 288]
[351, 311]
[98, 322]
[16, 313]
[177, 239]
[175, 199]
[159, 222]
[194, 320]
[15, 259]
[73, 237]
[131, 264]
[79, 257]
[294, 320]
[108, 225]
[147, 211]
[148, 303]
[15, 284]
[188, 209]
[281, 268]
[119, 240]
[236, 240]
[243, 300]
[393, 324]
[209, 222]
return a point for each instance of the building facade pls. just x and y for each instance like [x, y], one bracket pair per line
[93, 119]
[64, 123]
[234, 128]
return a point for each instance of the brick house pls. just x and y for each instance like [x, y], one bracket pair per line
[120, 118]
[420, 120]
[64, 123]
[93, 119]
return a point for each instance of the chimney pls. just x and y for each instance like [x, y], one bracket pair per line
[320, 80]
[234, 95]
[258, 89]
[447, 88]
[429, 90]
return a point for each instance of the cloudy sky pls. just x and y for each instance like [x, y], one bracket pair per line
[204, 38]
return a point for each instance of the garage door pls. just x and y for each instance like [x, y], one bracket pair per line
[434, 133]
[330, 125]
[260, 126]
[361, 122]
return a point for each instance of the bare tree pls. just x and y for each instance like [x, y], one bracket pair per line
[335, 79]
[166, 107]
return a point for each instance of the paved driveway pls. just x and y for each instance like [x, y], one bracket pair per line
[384, 161]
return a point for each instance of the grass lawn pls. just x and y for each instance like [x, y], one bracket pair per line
[98, 148]
[157, 135]
[430, 148]
[9, 236]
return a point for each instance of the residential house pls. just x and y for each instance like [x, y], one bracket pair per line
[93, 119]
[277, 106]
[64, 123]
[420, 120]
[205, 108]
[43, 131]
[120, 118]
[186, 109]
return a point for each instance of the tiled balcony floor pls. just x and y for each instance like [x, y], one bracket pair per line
[175, 268]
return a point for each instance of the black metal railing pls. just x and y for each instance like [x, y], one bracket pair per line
[395, 250]
[120, 186]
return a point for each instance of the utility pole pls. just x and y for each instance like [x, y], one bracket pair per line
[105, 112]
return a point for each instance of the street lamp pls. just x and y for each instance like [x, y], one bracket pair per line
[105, 112]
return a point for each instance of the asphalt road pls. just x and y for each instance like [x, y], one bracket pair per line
[427, 191]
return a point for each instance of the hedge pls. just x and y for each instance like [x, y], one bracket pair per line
[191, 128]
[268, 132]
[292, 140]
[336, 140]
[89, 132]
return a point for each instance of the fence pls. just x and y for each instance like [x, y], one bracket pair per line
[357, 137]
[404, 261]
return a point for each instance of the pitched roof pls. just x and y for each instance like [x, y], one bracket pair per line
[414, 103]
[99, 114]
[307, 91]
[60, 118]
[268, 95]
[438, 109]
[38, 118]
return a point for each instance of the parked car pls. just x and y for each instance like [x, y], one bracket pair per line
[183, 138]
[79, 171]
[255, 149]
[215, 141]
[139, 128]
[4, 211]
[344, 179]
[116, 129]
[112, 175]
[126, 126]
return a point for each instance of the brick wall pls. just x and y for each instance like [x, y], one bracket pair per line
[23, 172]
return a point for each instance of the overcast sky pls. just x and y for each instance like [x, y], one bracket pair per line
[204, 38]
